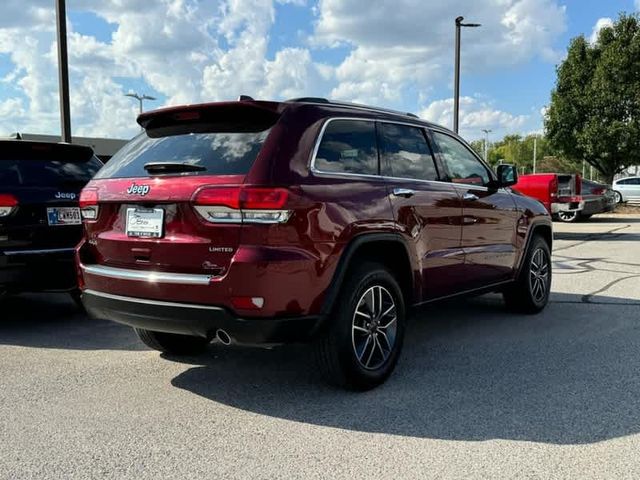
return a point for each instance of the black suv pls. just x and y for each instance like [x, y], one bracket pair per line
[40, 223]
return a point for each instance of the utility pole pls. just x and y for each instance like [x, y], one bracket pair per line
[456, 93]
[535, 152]
[486, 143]
[63, 71]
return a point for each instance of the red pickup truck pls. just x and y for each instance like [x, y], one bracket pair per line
[559, 193]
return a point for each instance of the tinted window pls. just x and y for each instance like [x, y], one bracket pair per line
[219, 153]
[405, 153]
[348, 146]
[42, 173]
[462, 165]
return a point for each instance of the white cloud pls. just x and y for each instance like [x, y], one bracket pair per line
[600, 24]
[401, 44]
[204, 50]
[638, 5]
[475, 115]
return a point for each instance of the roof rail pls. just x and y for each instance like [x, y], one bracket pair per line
[351, 105]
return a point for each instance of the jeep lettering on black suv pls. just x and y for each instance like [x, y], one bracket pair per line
[259, 222]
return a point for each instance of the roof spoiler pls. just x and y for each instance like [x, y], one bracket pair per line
[30, 150]
[241, 116]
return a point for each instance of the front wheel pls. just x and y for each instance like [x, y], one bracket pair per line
[362, 342]
[531, 290]
[172, 343]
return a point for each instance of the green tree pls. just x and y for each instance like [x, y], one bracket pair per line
[595, 107]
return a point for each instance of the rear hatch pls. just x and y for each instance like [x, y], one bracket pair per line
[147, 195]
[40, 186]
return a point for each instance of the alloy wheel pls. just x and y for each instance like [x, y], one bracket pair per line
[568, 216]
[539, 275]
[374, 327]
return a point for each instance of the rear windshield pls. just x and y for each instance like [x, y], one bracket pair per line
[222, 153]
[43, 173]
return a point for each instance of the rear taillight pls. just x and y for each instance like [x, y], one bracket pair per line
[242, 204]
[89, 204]
[8, 204]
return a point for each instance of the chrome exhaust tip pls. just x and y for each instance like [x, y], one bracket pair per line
[223, 337]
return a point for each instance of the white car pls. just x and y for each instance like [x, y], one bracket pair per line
[627, 189]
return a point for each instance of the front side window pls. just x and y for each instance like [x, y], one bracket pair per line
[348, 146]
[462, 165]
[405, 153]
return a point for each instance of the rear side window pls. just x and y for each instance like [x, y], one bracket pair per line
[43, 173]
[220, 153]
[348, 146]
[405, 153]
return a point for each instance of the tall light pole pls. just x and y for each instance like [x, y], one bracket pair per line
[456, 94]
[486, 143]
[63, 71]
[140, 98]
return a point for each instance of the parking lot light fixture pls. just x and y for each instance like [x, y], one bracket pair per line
[456, 95]
[140, 98]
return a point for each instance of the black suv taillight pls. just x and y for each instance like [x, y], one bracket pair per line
[8, 204]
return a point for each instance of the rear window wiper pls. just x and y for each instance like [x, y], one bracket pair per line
[172, 167]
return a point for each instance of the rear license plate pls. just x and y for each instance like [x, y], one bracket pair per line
[64, 216]
[145, 222]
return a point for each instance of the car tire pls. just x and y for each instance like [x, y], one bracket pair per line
[361, 343]
[530, 292]
[568, 217]
[618, 197]
[172, 343]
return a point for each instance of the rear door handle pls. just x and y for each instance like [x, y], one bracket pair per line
[470, 197]
[403, 192]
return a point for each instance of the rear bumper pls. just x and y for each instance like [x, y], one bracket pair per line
[198, 320]
[38, 270]
[597, 206]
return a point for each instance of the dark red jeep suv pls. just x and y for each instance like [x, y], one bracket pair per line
[257, 222]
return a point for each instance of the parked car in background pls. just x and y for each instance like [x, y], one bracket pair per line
[307, 220]
[627, 189]
[559, 193]
[597, 197]
[40, 222]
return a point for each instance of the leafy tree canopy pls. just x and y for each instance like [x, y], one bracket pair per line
[595, 107]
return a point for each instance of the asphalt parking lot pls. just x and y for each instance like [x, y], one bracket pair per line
[478, 393]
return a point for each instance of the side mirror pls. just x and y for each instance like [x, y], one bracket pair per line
[507, 176]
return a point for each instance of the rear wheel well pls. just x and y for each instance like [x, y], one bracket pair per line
[393, 255]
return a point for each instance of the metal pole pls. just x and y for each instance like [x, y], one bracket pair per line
[486, 143]
[535, 152]
[63, 71]
[456, 93]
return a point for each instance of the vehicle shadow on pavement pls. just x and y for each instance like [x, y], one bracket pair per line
[469, 371]
[54, 321]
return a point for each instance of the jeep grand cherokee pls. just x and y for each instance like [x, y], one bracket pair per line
[259, 222]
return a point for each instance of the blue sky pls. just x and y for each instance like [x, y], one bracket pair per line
[396, 54]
